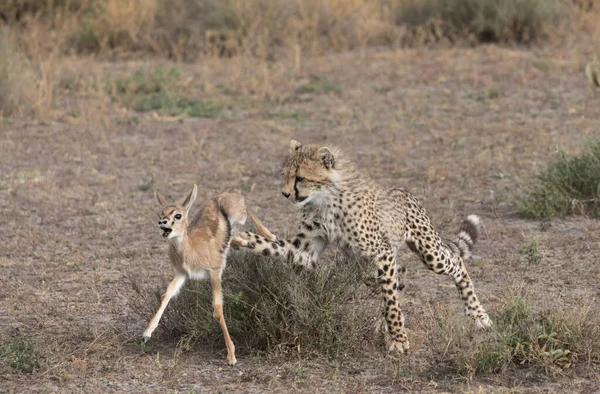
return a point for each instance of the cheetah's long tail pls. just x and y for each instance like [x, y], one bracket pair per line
[467, 236]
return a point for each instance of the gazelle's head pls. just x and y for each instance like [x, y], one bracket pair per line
[173, 218]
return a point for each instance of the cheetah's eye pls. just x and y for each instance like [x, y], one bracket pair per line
[299, 178]
[178, 216]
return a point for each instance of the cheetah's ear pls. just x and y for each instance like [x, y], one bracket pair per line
[161, 200]
[295, 146]
[326, 156]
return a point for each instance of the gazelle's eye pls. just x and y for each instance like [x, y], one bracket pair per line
[299, 179]
[178, 216]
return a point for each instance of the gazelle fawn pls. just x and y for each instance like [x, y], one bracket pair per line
[198, 248]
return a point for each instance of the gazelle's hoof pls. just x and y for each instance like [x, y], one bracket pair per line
[145, 338]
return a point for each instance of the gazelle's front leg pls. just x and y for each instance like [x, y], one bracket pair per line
[172, 290]
[215, 281]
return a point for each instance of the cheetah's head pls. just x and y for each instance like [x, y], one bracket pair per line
[307, 170]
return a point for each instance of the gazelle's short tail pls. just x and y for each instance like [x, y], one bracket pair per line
[466, 238]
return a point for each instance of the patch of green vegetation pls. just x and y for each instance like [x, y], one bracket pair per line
[159, 91]
[293, 114]
[541, 64]
[271, 308]
[21, 354]
[488, 94]
[384, 89]
[570, 185]
[318, 85]
[25, 176]
[552, 340]
[487, 20]
[531, 253]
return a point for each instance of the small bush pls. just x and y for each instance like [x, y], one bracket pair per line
[318, 85]
[531, 253]
[160, 91]
[553, 340]
[485, 20]
[20, 354]
[570, 185]
[271, 308]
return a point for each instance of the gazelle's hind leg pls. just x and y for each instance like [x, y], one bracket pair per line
[238, 241]
[215, 281]
[262, 230]
[172, 290]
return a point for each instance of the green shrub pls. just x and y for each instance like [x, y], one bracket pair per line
[486, 20]
[20, 354]
[271, 308]
[570, 185]
[555, 339]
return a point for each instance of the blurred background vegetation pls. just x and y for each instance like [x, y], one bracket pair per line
[188, 29]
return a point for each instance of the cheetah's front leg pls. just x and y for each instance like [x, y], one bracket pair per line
[302, 251]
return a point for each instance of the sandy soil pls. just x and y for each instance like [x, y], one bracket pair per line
[465, 130]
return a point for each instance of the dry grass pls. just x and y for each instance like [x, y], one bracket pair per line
[26, 86]
[38, 35]
[272, 29]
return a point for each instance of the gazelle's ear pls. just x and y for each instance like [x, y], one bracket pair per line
[326, 156]
[161, 200]
[294, 146]
[189, 200]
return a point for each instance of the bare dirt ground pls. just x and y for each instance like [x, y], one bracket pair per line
[463, 129]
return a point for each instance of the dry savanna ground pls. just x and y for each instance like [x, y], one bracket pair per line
[464, 129]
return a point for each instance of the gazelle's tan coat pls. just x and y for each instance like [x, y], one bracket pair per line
[198, 248]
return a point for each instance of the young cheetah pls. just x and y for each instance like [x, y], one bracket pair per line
[338, 204]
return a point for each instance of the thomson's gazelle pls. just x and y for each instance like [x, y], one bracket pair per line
[198, 248]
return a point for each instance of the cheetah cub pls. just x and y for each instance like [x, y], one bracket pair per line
[198, 248]
[339, 204]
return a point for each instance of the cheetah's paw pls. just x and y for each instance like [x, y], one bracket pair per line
[483, 322]
[398, 346]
